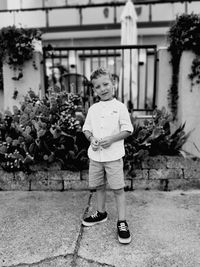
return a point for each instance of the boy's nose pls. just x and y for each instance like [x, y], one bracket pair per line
[103, 91]
[103, 88]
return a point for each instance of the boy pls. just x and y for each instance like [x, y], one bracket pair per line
[106, 126]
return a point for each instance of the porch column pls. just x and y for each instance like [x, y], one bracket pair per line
[189, 104]
[33, 79]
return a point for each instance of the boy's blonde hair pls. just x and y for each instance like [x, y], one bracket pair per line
[99, 72]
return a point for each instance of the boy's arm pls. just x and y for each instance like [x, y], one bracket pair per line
[87, 126]
[107, 141]
[87, 130]
[126, 128]
[93, 140]
[88, 134]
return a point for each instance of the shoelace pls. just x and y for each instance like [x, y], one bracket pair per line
[94, 215]
[122, 227]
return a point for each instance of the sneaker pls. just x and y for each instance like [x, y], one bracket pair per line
[124, 236]
[95, 218]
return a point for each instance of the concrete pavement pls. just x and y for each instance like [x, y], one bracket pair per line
[44, 229]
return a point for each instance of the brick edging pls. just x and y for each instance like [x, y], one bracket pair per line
[167, 173]
[160, 172]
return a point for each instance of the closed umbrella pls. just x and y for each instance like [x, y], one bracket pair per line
[128, 76]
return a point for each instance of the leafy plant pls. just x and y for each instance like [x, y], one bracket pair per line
[49, 130]
[17, 46]
[46, 130]
[194, 76]
[183, 35]
[153, 138]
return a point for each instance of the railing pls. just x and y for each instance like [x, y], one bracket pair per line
[133, 68]
[76, 17]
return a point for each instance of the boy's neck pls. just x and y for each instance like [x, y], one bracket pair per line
[107, 100]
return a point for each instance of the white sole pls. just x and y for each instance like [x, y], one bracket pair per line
[124, 240]
[91, 224]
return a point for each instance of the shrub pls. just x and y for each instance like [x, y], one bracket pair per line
[50, 130]
[153, 138]
[44, 130]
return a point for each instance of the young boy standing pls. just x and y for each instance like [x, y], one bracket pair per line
[106, 126]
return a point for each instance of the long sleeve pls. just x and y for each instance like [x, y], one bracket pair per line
[87, 126]
[125, 121]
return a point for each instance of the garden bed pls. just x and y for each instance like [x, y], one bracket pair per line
[42, 147]
[159, 173]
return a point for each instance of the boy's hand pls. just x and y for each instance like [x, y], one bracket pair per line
[106, 142]
[94, 143]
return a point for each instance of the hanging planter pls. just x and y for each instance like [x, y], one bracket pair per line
[17, 47]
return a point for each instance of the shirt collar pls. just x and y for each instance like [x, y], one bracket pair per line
[104, 103]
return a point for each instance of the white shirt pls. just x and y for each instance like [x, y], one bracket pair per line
[107, 118]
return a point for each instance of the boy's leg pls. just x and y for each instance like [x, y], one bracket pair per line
[100, 215]
[120, 203]
[101, 198]
[97, 181]
[124, 236]
[115, 175]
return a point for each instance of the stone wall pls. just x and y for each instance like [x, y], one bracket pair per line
[159, 173]
[167, 173]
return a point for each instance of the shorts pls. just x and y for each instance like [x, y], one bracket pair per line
[102, 172]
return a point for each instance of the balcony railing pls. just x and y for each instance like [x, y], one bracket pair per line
[133, 68]
[151, 13]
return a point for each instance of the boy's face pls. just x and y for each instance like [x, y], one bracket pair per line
[103, 86]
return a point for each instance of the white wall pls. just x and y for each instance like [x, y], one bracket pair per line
[32, 79]
[189, 104]
[13, 4]
[164, 74]
[67, 17]
[3, 4]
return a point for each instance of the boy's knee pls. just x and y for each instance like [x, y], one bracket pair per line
[118, 191]
[101, 187]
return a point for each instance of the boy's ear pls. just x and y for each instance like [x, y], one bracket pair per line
[93, 89]
[91, 85]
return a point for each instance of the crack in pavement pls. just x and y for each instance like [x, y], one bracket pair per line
[49, 259]
[97, 263]
[76, 257]
[77, 246]
[73, 255]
